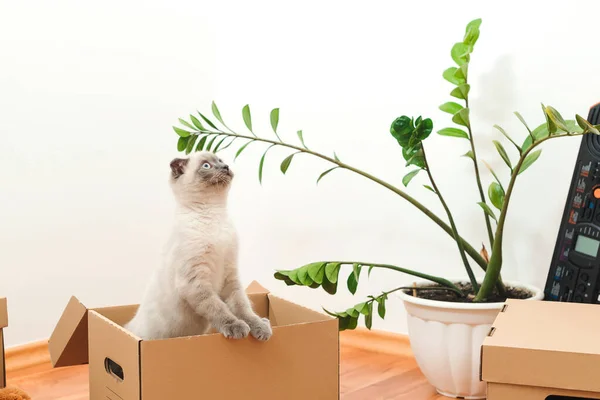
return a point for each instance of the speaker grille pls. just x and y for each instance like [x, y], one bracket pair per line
[594, 116]
[593, 141]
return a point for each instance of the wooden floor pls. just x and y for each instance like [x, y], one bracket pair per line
[374, 367]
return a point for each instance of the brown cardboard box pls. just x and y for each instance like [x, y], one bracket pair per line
[539, 350]
[3, 324]
[300, 361]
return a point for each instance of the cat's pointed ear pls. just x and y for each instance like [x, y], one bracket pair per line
[178, 167]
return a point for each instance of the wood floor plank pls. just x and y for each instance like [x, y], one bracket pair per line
[382, 368]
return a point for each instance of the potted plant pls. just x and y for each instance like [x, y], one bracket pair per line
[447, 318]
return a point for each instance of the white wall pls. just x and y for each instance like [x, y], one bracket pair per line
[89, 91]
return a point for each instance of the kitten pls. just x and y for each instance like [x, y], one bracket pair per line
[197, 287]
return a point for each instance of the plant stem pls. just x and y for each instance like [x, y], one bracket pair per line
[474, 254]
[495, 265]
[488, 223]
[453, 225]
[436, 279]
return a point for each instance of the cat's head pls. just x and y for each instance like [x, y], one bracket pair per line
[203, 177]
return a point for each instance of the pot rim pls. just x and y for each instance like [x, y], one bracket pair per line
[538, 294]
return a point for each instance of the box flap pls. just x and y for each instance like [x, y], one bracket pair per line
[544, 344]
[3, 313]
[68, 344]
[255, 287]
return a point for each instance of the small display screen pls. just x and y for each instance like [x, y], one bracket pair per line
[587, 246]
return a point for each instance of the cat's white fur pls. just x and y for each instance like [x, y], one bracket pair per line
[197, 286]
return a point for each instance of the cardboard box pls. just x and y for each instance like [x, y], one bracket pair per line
[538, 350]
[300, 361]
[3, 324]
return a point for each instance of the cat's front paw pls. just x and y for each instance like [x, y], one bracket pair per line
[261, 329]
[237, 329]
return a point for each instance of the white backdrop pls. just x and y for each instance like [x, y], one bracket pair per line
[89, 92]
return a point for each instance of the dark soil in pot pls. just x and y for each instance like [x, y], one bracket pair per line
[449, 296]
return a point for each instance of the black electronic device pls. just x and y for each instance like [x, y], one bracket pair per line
[574, 274]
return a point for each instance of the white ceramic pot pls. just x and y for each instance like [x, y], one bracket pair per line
[446, 339]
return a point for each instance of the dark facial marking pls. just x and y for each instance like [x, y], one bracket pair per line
[178, 167]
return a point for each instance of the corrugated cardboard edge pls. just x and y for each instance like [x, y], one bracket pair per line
[255, 288]
[3, 324]
[68, 344]
[3, 313]
[490, 333]
[2, 361]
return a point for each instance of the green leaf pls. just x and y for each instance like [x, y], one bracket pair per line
[520, 117]
[242, 149]
[352, 284]
[462, 117]
[329, 287]
[218, 146]
[182, 143]
[293, 275]
[451, 107]
[352, 323]
[557, 119]
[181, 132]
[496, 195]
[493, 173]
[191, 142]
[353, 312]
[453, 132]
[197, 123]
[549, 122]
[316, 271]
[369, 316]
[303, 276]
[187, 124]
[487, 210]
[450, 76]
[356, 270]
[208, 121]
[370, 269]
[274, 119]
[472, 32]
[381, 306]
[461, 73]
[353, 278]
[362, 308]
[247, 117]
[586, 126]
[460, 53]
[301, 139]
[262, 162]
[461, 92]
[201, 143]
[285, 164]
[325, 173]
[502, 153]
[210, 142]
[508, 137]
[332, 271]
[283, 276]
[469, 154]
[217, 113]
[530, 159]
[228, 144]
[429, 188]
[335, 157]
[408, 177]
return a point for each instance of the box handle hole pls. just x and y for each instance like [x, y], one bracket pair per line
[114, 369]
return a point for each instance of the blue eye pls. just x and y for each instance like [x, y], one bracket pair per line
[206, 166]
